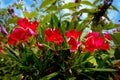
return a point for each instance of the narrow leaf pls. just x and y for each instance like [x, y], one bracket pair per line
[88, 3]
[46, 3]
[69, 5]
[48, 77]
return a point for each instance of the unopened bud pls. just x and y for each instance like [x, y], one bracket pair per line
[11, 10]
[3, 30]
[76, 1]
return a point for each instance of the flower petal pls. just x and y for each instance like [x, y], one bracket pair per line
[73, 44]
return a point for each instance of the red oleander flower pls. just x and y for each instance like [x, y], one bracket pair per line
[40, 46]
[117, 65]
[73, 44]
[107, 36]
[105, 46]
[1, 50]
[98, 42]
[24, 23]
[94, 34]
[22, 33]
[53, 36]
[94, 41]
[19, 34]
[89, 44]
[73, 33]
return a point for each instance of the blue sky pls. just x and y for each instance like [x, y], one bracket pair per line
[113, 15]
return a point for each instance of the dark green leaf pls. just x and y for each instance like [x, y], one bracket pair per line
[114, 8]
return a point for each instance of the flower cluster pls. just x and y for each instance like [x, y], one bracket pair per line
[53, 36]
[92, 42]
[72, 36]
[23, 32]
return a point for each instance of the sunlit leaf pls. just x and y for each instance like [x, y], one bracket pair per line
[31, 14]
[70, 5]
[47, 2]
[88, 3]
[48, 77]
[92, 60]
[102, 69]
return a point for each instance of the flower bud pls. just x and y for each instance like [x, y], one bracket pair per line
[10, 10]
[3, 30]
[76, 1]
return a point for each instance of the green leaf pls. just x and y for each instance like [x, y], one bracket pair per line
[88, 3]
[111, 52]
[85, 10]
[46, 3]
[51, 8]
[70, 5]
[95, 2]
[33, 5]
[47, 18]
[3, 12]
[19, 6]
[12, 51]
[101, 69]
[55, 20]
[116, 39]
[65, 15]
[48, 77]
[92, 60]
[84, 33]
[12, 20]
[72, 78]
[31, 14]
[114, 8]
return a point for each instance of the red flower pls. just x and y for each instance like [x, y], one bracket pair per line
[24, 23]
[94, 41]
[53, 35]
[107, 36]
[40, 46]
[19, 34]
[1, 50]
[25, 31]
[94, 34]
[98, 42]
[105, 46]
[73, 33]
[73, 44]
[89, 44]
[117, 65]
